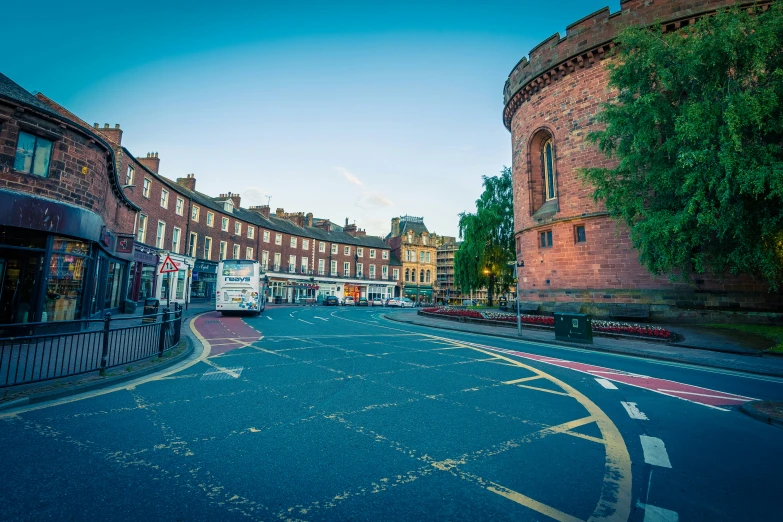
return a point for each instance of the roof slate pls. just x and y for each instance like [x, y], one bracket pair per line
[13, 91]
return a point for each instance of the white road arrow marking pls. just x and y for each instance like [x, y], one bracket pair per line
[655, 452]
[633, 411]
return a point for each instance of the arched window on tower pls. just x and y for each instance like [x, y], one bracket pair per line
[548, 157]
[542, 160]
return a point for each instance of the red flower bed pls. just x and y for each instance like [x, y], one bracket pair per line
[545, 320]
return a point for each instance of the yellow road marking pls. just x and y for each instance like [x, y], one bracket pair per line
[535, 505]
[515, 381]
[543, 390]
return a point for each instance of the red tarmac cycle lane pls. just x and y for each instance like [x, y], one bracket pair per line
[225, 333]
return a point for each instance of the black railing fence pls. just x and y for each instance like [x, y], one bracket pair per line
[43, 351]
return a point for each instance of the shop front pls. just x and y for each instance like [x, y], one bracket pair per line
[142, 275]
[301, 292]
[355, 291]
[174, 287]
[418, 293]
[204, 279]
[382, 292]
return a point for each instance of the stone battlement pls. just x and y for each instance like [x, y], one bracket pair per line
[591, 39]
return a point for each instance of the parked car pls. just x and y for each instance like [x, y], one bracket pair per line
[348, 301]
[331, 300]
[406, 303]
[362, 302]
[393, 301]
[377, 301]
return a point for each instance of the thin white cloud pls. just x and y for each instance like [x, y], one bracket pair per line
[376, 199]
[253, 196]
[350, 177]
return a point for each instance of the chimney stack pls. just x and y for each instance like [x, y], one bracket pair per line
[309, 219]
[235, 198]
[279, 212]
[395, 227]
[325, 224]
[261, 209]
[113, 135]
[153, 163]
[189, 181]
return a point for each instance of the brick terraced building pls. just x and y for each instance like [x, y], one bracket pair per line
[572, 251]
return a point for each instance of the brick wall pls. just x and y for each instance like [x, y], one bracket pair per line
[79, 170]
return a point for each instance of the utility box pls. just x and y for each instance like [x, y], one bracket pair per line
[150, 309]
[577, 328]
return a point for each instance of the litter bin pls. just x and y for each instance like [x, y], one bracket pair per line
[573, 327]
[150, 308]
[278, 299]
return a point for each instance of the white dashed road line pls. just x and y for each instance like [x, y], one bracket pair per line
[655, 452]
[633, 411]
[656, 514]
[308, 322]
[606, 384]
[321, 318]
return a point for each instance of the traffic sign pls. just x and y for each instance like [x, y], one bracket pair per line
[168, 266]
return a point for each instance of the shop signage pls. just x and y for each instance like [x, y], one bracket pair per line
[204, 266]
[144, 255]
[168, 266]
[125, 245]
[106, 237]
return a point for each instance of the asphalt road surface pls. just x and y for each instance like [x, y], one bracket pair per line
[338, 414]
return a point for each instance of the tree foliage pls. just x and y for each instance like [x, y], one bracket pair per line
[487, 238]
[697, 133]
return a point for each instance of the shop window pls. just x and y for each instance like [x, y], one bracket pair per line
[113, 285]
[145, 191]
[32, 154]
[579, 234]
[164, 198]
[546, 239]
[65, 282]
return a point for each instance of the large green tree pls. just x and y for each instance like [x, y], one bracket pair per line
[487, 239]
[697, 134]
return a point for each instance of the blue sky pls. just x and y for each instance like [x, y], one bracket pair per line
[345, 109]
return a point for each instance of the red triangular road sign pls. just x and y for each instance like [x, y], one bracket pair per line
[168, 266]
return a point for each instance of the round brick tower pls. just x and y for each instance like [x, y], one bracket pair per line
[572, 251]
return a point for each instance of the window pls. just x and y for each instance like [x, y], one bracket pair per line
[407, 255]
[278, 239]
[359, 269]
[347, 251]
[210, 219]
[372, 271]
[293, 242]
[372, 253]
[161, 235]
[346, 269]
[266, 236]
[145, 191]
[228, 205]
[519, 246]
[407, 275]
[175, 240]
[321, 246]
[385, 254]
[334, 248]
[237, 228]
[236, 251]
[32, 154]
[546, 239]
[180, 208]
[579, 233]
[129, 175]
[423, 239]
[360, 252]
[429, 258]
[429, 275]
[305, 244]
[421, 276]
[549, 170]
[321, 265]
[224, 224]
[277, 262]
[396, 274]
[207, 248]
[385, 271]
[292, 263]
[333, 268]
[251, 232]
[421, 256]
[249, 253]
[192, 244]
[410, 237]
[265, 260]
[223, 247]
[305, 265]
[194, 213]
[164, 198]
[141, 232]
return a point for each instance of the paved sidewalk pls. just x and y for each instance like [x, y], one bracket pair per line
[712, 352]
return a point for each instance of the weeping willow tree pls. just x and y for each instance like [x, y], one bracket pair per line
[697, 134]
[487, 239]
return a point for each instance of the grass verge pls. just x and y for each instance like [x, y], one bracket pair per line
[774, 333]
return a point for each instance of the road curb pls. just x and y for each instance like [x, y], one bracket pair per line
[749, 408]
[103, 383]
[590, 347]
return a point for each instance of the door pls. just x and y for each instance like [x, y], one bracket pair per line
[18, 296]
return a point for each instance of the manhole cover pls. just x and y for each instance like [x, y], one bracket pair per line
[219, 374]
[211, 322]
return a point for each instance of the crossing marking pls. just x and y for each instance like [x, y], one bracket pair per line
[308, 322]
[655, 452]
[633, 411]
[268, 317]
[321, 318]
[606, 384]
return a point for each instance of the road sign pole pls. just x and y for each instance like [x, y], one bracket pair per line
[169, 305]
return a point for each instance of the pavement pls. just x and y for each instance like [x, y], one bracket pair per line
[316, 413]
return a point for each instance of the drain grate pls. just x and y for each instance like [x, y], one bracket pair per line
[219, 374]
